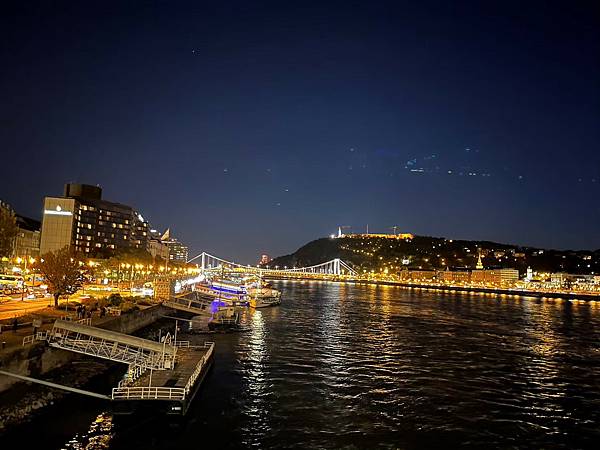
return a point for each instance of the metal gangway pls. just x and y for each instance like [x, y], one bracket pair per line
[112, 345]
[192, 303]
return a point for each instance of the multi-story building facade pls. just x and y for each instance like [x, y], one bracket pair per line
[156, 247]
[178, 252]
[418, 275]
[452, 276]
[26, 242]
[82, 221]
[495, 276]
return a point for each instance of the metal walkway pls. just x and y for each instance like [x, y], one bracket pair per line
[111, 345]
[197, 305]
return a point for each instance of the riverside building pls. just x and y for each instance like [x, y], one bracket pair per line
[82, 221]
[178, 251]
[495, 276]
[156, 247]
[27, 240]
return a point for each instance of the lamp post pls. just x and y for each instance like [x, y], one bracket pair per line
[24, 281]
[131, 281]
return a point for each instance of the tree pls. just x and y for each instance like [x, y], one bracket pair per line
[62, 272]
[8, 231]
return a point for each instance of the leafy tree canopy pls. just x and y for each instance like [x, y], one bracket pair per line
[62, 272]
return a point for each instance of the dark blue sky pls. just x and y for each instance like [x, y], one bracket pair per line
[254, 127]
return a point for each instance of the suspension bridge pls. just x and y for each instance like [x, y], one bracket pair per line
[336, 268]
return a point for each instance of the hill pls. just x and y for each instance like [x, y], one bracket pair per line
[367, 252]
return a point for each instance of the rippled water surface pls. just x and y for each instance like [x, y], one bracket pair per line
[344, 366]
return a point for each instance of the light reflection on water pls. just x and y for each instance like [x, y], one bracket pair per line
[344, 366]
[252, 364]
[97, 437]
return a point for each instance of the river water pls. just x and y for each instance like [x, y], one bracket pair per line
[365, 367]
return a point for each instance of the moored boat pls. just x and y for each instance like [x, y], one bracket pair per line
[225, 319]
[263, 296]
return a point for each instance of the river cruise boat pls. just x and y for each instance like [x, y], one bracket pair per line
[232, 299]
[241, 290]
[262, 295]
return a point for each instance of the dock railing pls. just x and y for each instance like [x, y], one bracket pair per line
[148, 393]
[122, 392]
[210, 346]
[39, 336]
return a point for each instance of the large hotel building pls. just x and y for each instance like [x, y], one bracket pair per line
[84, 222]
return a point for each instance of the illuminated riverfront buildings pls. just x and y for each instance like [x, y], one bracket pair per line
[84, 222]
[178, 251]
[26, 241]
[495, 276]
[373, 235]
[156, 247]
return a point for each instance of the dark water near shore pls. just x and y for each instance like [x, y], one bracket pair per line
[342, 366]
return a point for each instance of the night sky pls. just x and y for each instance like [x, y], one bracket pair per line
[255, 127]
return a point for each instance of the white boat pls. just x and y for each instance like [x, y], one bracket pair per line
[263, 296]
[251, 290]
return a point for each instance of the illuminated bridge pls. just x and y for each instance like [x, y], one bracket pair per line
[335, 268]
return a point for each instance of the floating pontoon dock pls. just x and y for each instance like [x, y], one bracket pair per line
[162, 376]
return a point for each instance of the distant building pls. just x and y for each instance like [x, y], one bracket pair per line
[156, 247]
[177, 251]
[27, 239]
[479, 265]
[495, 276]
[561, 278]
[402, 236]
[529, 276]
[455, 276]
[418, 275]
[84, 222]
[264, 259]
[27, 242]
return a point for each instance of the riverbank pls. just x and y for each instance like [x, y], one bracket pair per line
[455, 289]
[497, 291]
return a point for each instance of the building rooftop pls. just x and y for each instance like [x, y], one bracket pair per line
[28, 223]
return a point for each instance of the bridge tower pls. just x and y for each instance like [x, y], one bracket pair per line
[336, 267]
